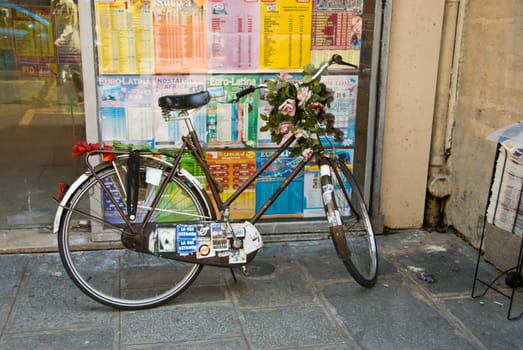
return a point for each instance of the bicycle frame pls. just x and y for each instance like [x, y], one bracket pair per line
[191, 143]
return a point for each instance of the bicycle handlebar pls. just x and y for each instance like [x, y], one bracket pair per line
[335, 59]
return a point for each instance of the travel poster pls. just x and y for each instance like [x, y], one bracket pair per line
[169, 133]
[125, 108]
[231, 123]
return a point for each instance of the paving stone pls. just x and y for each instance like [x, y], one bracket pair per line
[487, 319]
[70, 339]
[49, 300]
[293, 328]
[219, 344]
[11, 273]
[204, 321]
[392, 318]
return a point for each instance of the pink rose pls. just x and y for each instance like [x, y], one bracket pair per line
[303, 96]
[284, 76]
[288, 107]
[301, 133]
[307, 153]
[284, 128]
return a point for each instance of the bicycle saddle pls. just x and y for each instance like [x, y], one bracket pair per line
[187, 101]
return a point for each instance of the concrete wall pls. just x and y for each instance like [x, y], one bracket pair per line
[489, 96]
[412, 71]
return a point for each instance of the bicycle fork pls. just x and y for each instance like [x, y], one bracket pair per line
[331, 210]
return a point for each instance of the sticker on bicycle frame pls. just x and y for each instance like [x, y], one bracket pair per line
[204, 250]
[186, 242]
[327, 194]
[334, 219]
[153, 176]
[220, 241]
[237, 256]
[325, 170]
[166, 240]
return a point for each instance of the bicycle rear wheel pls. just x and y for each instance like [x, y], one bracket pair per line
[107, 272]
[353, 236]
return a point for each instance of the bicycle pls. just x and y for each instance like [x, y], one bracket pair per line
[166, 226]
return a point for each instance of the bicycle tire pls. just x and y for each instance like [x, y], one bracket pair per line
[120, 277]
[350, 226]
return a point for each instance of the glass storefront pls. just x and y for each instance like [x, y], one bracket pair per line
[144, 49]
[41, 100]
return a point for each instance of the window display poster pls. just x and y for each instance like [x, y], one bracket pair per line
[290, 201]
[285, 33]
[124, 31]
[232, 123]
[125, 108]
[312, 197]
[234, 35]
[180, 37]
[336, 29]
[163, 37]
[169, 133]
[230, 168]
[345, 88]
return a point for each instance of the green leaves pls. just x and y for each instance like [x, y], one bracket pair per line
[305, 120]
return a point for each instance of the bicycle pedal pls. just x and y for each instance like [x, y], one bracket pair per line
[244, 270]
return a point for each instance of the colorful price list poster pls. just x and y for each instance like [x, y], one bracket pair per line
[335, 31]
[180, 36]
[230, 169]
[125, 108]
[234, 35]
[169, 133]
[285, 29]
[124, 31]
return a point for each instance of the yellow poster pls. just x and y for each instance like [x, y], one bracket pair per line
[285, 31]
[124, 37]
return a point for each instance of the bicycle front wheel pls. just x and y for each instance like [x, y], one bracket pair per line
[351, 228]
[107, 272]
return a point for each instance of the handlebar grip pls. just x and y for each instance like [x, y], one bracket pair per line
[339, 60]
[245, 92]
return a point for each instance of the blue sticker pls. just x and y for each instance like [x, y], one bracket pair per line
[186, 242]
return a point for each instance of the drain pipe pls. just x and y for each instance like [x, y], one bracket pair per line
[439, 185]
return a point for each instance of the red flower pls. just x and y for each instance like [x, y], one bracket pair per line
[108, 157]
[80, 148]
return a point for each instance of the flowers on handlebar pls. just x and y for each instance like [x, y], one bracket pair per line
[299, 109]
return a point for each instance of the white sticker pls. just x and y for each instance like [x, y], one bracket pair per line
[325, 170]
[153, 176]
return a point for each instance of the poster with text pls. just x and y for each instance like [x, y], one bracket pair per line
[232, 123]
[169, 133]
[285, 33]
[234, 37]
[230, 168]
[180, 37]
[124, 37]
[125, 108]
[345, 88]
[290, 201]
